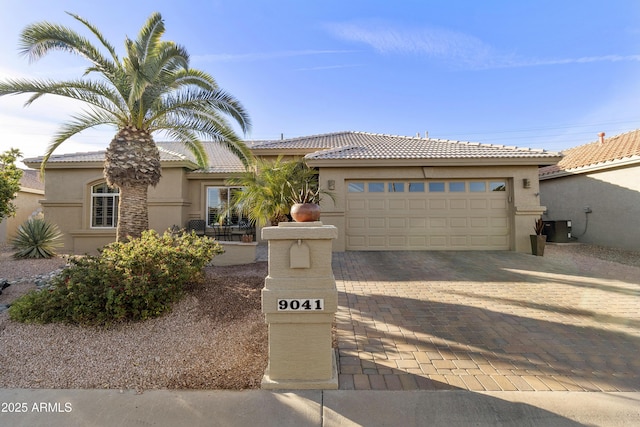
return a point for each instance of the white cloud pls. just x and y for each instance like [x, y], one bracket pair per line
[432, 42]
[456, 48]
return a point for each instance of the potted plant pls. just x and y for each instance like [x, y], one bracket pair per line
[305, 207]
[538, 240]
[305, 194]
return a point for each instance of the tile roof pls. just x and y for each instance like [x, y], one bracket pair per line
[336, 146]
[31, 179]
[220, 159]
[362, 145]
[608, 151]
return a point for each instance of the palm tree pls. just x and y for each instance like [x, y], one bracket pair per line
[270, 187]
[151, 89]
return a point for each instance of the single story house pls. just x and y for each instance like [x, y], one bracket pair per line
[596, 186]
[392, 192]
[27, 204]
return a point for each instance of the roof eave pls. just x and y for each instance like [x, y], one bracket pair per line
[629, 161]
[485, 161]
[35, 164]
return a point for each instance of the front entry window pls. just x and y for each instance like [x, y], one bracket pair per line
[218, 201]
[104, 206]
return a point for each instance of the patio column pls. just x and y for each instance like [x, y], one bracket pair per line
[299, 301]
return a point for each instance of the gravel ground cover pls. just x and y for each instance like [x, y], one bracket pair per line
[215, 338]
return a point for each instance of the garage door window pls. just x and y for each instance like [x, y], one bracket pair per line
[356, 187]
[376, 187]
[396, 187]
[416, 187]
[477, 186]
[457, 187]
[497, 186]
[436, 187]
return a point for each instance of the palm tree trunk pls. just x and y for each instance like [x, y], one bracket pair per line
[133, 211]
[132, 163]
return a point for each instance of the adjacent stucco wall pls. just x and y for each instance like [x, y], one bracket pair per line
[68, 204]
[614, 198]
[523, 202]
[27, 203]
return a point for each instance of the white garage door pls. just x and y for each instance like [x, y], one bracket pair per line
[427, 214]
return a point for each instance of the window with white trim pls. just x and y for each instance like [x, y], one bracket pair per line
[104, 206]
[219, 199]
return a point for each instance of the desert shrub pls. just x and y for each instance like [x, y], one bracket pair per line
[36, 238]
[133, 280]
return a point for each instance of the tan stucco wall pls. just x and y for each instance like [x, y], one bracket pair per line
[181, 196]
[68, 203]
[614, 198]
[27, 203]
[523, 203]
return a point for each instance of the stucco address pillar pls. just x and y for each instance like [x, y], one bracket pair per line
[299, 301]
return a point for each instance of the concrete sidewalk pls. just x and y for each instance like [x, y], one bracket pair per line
[68, 408]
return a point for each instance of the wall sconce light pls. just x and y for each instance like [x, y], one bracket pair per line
[331, 184]
[526, 183]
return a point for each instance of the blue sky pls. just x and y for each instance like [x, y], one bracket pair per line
[539, 74]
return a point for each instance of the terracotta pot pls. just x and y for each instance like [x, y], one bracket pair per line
[305, 212]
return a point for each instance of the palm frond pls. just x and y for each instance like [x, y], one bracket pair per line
[149, 36]
[99, 36]
[38, 39]
[80, 122]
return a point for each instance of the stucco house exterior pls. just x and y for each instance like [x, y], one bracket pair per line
[597, 187]
[392, 192]
[27, 203]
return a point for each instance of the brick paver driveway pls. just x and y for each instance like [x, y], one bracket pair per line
[487, 321]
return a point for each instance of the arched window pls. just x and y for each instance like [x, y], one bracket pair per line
[104, 206]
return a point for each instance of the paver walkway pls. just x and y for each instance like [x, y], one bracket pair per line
[487, 321]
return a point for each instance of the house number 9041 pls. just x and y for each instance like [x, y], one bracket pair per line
[300, 304]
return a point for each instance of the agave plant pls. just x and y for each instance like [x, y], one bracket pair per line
[36, 238]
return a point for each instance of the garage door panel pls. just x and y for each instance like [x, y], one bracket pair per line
[478, 204]
[437, 222]
[479, 241]
[417, 204]
[438, 204]
[479, 222]
[458, 204]
[378, 241]
[377, 223]
[398, 204]
[356, 223]
[398, 223]
[433, 217]
[500, 223]
[438, 241]
[376, 204]
[417, 223]
[356, 204]
[417, 241]
[498, 204]
[458, 222]
[397, 241]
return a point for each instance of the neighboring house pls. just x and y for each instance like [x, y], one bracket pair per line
[392, 192]
[27, 204]
[597, 187]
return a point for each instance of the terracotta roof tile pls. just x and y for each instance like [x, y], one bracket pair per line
[619, 147]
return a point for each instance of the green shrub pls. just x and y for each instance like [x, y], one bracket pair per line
[36, 238]
[134, 280]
